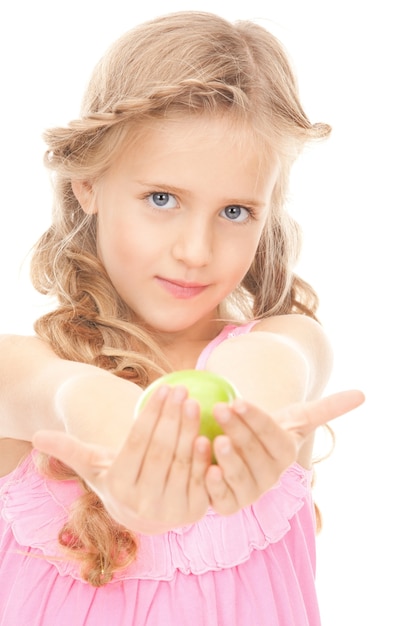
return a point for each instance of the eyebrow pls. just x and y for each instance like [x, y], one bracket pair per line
[178, 190]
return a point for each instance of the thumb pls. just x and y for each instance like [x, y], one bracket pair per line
[305, 417]
[85, 459]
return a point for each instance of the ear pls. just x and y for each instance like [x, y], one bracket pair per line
[85, 194]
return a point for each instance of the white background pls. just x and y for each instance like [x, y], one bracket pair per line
[350, 195]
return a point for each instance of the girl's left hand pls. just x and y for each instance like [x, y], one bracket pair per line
[257, 447]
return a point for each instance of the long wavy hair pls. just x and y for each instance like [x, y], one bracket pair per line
[187, 63]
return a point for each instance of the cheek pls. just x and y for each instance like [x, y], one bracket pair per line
[237, 257]
[116, 244]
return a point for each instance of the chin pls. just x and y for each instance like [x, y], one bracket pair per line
[178, 325]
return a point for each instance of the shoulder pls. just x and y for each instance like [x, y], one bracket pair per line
[293, 322]
[24, 342]
[300, 330]
[285, 341]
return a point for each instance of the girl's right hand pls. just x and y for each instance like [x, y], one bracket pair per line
[157, 480]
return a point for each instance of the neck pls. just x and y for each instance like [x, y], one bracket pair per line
[182, 349]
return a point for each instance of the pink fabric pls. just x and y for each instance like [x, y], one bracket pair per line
[227, 332]
[252, 568]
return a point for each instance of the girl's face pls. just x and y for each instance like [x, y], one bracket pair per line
[180, 215]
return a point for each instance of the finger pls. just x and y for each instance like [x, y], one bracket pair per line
[198, 496]
[304, 418]
[237, 471]
[179, 474]
[131, 456]
[87, 460]
[186, 486]
[256, 436]
[162, 446]
[222, 498]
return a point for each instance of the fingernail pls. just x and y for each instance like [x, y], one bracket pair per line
[190, 409]
[224, 447]
[239, 407]
[223, 414]
[202, 444]
[179, 393]
[162, 392]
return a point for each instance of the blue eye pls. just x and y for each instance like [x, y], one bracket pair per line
[236, 213]
[162, 199]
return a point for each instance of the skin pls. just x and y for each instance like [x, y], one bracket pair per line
[171, 247]
[172, 209]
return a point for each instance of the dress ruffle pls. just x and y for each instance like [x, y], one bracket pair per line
[36, 510]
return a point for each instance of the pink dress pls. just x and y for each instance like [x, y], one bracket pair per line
[254, 568]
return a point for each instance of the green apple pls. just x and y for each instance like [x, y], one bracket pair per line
[205, 387]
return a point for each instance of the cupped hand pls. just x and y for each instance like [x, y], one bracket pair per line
[257, 447]
[162, 477]
[157, 480]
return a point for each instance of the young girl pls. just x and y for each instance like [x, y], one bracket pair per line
[169, 249]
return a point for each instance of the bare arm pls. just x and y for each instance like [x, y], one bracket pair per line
[39, 390]
[161, 476]
[286, 360]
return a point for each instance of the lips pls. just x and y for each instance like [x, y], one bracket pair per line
[181, 289]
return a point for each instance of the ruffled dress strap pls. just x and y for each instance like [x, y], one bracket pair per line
[231, 330]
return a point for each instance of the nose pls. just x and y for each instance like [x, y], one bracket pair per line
[194, 242]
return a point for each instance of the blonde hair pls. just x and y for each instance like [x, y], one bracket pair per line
[186, 63]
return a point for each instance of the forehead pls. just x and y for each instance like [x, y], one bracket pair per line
[207, 157]
[195, 136]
